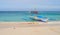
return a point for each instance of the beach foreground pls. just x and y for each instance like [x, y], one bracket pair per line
[29, 28]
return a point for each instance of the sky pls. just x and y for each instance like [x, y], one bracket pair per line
[24, 5]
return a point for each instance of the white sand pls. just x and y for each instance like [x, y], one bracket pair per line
[29, 28]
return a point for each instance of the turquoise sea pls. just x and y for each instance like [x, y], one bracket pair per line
[22, 16]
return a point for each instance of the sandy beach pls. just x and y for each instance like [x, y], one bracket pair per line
[30, 28]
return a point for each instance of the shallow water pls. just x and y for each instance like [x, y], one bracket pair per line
[23, 16]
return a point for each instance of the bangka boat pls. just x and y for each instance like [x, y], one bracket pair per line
[39, 18]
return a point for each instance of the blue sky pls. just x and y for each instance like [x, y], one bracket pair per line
[17, 5]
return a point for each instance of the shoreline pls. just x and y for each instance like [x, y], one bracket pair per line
[52, 22]
[32, 22]
[27, 24]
